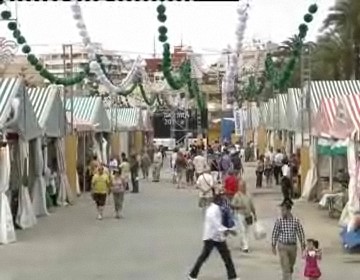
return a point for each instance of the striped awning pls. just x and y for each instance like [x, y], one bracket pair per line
[128, 119]
[263, 111]
[324, 118]
[347, 117]
[320, 90]
[281, 103]
[48, 108]
[90, 109]
[79, 124]
[9, 88]
[271, 114]
[146, 120]
[26, 124]
[293, 109]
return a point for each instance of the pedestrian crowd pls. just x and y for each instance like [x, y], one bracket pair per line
[229, 210]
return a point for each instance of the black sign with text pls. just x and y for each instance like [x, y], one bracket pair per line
[185, 122]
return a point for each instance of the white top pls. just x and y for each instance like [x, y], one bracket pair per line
[278, 158]
[270, 155]
[242, 153]
[285, 170]
[205, 182]
[158, 157]
[213, 228]
[113, 164]
[173, 159]
[199, 163]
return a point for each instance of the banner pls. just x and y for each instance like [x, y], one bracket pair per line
[239, 122]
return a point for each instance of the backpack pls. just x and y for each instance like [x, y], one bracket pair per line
[227, 216]
[225, 163]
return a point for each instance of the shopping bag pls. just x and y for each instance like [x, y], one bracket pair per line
[259, 231]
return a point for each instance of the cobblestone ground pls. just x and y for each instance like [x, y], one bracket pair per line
[159, 238]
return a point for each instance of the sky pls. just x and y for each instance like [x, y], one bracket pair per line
[130, 27]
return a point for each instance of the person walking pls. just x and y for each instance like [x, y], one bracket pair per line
[268, 171]
[231, 185]
[214, 235]
[225, 164]
[286, 183]
[278, 163]
[245, 212]
[190, 171]
[173, 158]
[134, 173]
[118, 192]
[145, 164]
[100, 188]
[125, 171]
[180, 169]
[236, 163]
[286, 231]
[259, 172]
[205, 184]
[200, 164]
[312, 255]
[157, 163]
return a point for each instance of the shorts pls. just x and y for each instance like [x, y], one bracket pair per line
[100, 199]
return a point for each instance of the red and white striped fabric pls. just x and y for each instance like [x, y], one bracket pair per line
[79, 124]
[347, 122]
[325, 117]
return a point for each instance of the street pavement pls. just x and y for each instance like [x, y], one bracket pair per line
[159, 238]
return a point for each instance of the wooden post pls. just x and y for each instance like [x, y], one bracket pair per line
[71, 143]
[305, 164]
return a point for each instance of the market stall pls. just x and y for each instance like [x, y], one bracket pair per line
[20, 126]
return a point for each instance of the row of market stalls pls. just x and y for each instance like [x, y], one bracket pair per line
[327, 137]
[41, 138]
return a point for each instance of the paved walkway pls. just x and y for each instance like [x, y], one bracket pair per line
[159, 238]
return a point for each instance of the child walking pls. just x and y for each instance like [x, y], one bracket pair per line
[312, 255]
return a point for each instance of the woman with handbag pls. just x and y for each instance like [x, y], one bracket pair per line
[244, 208]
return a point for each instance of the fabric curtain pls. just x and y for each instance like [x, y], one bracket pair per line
[39, 187]
[96, 147]
[353, 204]
[25, 217]
[311, 176]
[104, 148]
[65, 194]
[7, 231]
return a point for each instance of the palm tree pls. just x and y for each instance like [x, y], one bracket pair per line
[344, 19]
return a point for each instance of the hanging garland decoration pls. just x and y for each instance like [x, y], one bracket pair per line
[178, 81]
[34, 61]
[148, 101]
[280, 79]
[232, 70]
[96, 64]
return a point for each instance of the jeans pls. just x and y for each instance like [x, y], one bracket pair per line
[277, 174]
[118, 201]
[224, 253]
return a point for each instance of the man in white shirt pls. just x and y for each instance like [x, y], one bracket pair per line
[278, 163]
[172, 164]
[214, 236]
[200, 164]
[270, 154]
[286, 183]
[157, 163]
[205, 185]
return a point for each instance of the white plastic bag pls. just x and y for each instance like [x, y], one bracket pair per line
[259, 231]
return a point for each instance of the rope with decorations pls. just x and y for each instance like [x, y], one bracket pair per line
[96, 65]
[280, 78]
[232, 70]
[183, 77]
[33, 60]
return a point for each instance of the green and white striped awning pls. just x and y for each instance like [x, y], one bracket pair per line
[271, 114]
[48, 108]
[293, 108]
[26, 124]
[127, 119]
[90, 109]
[281, 104]
[264, 111]
[9, 87]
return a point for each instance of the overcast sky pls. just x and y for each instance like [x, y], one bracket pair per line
[130, 27]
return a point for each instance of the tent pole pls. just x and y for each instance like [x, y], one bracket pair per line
[84, 163]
